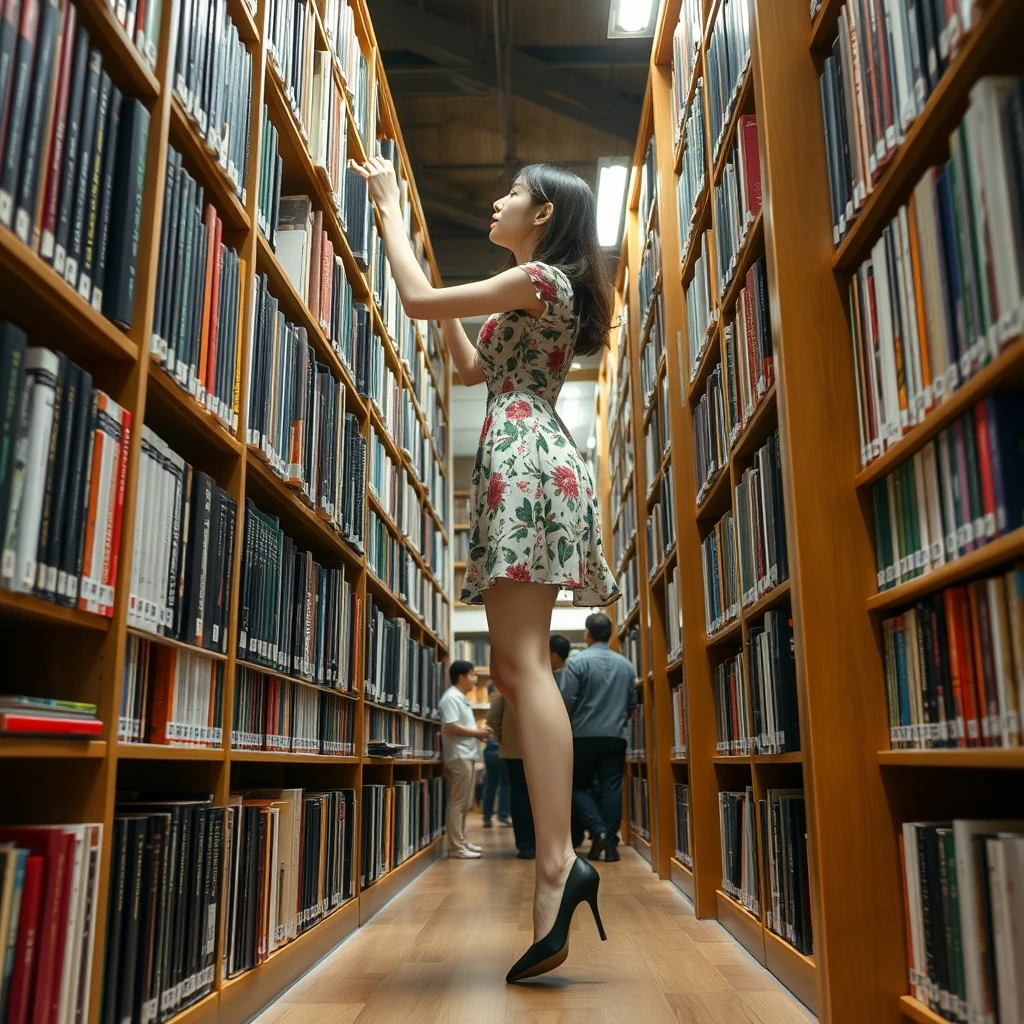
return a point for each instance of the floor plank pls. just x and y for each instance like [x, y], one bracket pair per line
[438, 953]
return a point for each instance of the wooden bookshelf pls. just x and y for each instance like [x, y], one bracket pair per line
[857, 791]
[76, 655]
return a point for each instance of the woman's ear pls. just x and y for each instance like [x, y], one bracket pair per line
[544, 214]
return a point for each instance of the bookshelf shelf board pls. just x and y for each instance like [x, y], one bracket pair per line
[403, 711]
[939, 117]
[674, 665]
[709, 25]
[744, 105]
[823, 28]
[763, 421]
[742, 925]
[708, 359]
[163, 752]
[960, 757]
[462, 526]
[28, 608]
[186, 413]
[197, 1011]
[24, 747]
[790, 757]
[642, 847]
[994, 554]
[731, 759]
[375, 895]
[752, 247]
[296, 757]
[797, 972]
[678, 760]
[682, 876]
[663, 567]
[913, 1010]
[245, 995]
[128, 67]
[244, 20]
[401, 760]
[776, 596]
[629, 552]
[628, 620]
[1005, 370]
[458, 565]
[218, 186]
[84, 333]
[167, 641]
[255, 666]
[717, 498]
[698, 220]
[729, 634]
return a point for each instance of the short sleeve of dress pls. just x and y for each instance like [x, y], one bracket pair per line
[552, 288]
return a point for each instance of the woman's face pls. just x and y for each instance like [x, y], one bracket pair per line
[518, 222]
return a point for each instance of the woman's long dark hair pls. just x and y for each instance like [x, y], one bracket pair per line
[570, 243]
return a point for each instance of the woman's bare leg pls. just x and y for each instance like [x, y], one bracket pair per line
[519, 622]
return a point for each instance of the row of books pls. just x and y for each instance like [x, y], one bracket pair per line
[737, 200]
[721, 582]
[686, 42]
[389, 734]
[710, 435]
[268, 182]
[658, 437]
[199, 303]
[629, 584]
[961, 885]
[213, 84]
[328, 127]
[70, 143]
[624, 531]
[680, 733]
[674, 615]
[375, 858]
[631, 649]
[683, 847]
[49, 900]
[727, 60]
[639, 808]
[295, 616]
[271, 713]
[653, 351]
[958, 493]
[290, 863]
[182, 550]
[661, 523]
[693, 174]
[738, 837]
[478, 652]
[771, 662]
[418, 815]
[787, 875]
[943, 290]
[883, 68]
[761, 524]
[701, 308]
[648, 185]
[748, 362]
[170, 696]
[63, 460]
[733, 727]
[650, 271]
[401, 672]
[954, 666]
[637, 742]
[42, 717]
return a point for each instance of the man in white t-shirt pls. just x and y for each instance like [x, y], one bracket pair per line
[459, 747]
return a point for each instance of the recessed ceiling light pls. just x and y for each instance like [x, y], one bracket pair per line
[612, 177]
[577, 366]
[631, 18]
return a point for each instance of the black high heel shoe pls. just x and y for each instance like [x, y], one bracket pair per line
[546, 955]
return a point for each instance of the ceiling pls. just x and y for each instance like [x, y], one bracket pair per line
[482, 87]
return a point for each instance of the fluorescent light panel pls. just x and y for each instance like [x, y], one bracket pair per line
[630, 18]
[611, 194]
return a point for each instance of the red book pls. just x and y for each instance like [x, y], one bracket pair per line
[313, 284]
[961, 655]
[751, 162]
[14, 723]
[988, 491]
[28, 939]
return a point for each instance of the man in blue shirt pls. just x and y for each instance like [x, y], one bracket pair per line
[599, 690]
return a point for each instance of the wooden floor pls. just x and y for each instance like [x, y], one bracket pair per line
[439, 952]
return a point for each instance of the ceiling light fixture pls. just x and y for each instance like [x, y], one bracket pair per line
[577, 366]
[631, 18]
[612, 176]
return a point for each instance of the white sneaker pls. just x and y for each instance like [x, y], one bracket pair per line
[473, 847]
[464, 854]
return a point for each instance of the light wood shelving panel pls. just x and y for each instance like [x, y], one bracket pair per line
[55, 651]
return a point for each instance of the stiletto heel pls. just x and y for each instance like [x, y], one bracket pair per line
[545, 955]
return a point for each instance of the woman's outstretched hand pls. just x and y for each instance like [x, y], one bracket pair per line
[383, 182]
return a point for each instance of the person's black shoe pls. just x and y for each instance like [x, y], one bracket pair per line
[596, 847]
[611, 854]
[488, 823]
[528, 854]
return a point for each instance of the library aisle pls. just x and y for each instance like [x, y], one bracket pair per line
[440, 950]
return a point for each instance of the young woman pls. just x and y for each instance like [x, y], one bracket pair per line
[535, 521]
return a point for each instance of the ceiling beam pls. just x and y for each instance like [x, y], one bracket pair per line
[459, 48]
[625, 53]
[459, 211]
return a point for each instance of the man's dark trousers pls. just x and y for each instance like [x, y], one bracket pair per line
[522, 812]
[604, 756]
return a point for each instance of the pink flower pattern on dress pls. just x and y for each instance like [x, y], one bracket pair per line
[519, 573]
[566, 481]
[556, 360]
[496, 491]
[485, 332]
[518, 410]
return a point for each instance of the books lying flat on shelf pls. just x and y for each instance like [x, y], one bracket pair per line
[710, 437]
[637, 744]
[943, 290]
[41, 716]
[639, 808]
[761, 524]
[876, 83]
[960, 492]
[727, 60]
[733, 728]
[961, 886]
[70, 143]
[164, 906]
[684, 851]
[784, 851]
[771, 664]
[388, 734]
[63, 461]
[290, 863]
[740, 871]
[197, 316]
[954, 667]
[49, 901]
[748, 365]
[170, 696]
[185, 526]
[737, 199]
[721, 582]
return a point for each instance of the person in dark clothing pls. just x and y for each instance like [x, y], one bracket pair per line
[503, 725]
[598, 686]
[560, 647]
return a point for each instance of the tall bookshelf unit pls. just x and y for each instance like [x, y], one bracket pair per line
[52, 651]
[858, 791]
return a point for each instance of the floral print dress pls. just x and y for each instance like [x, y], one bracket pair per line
[533, 511]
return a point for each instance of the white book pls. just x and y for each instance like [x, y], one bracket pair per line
[891, 428]
[911, 337]
[937, 548]
[1009, 988]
